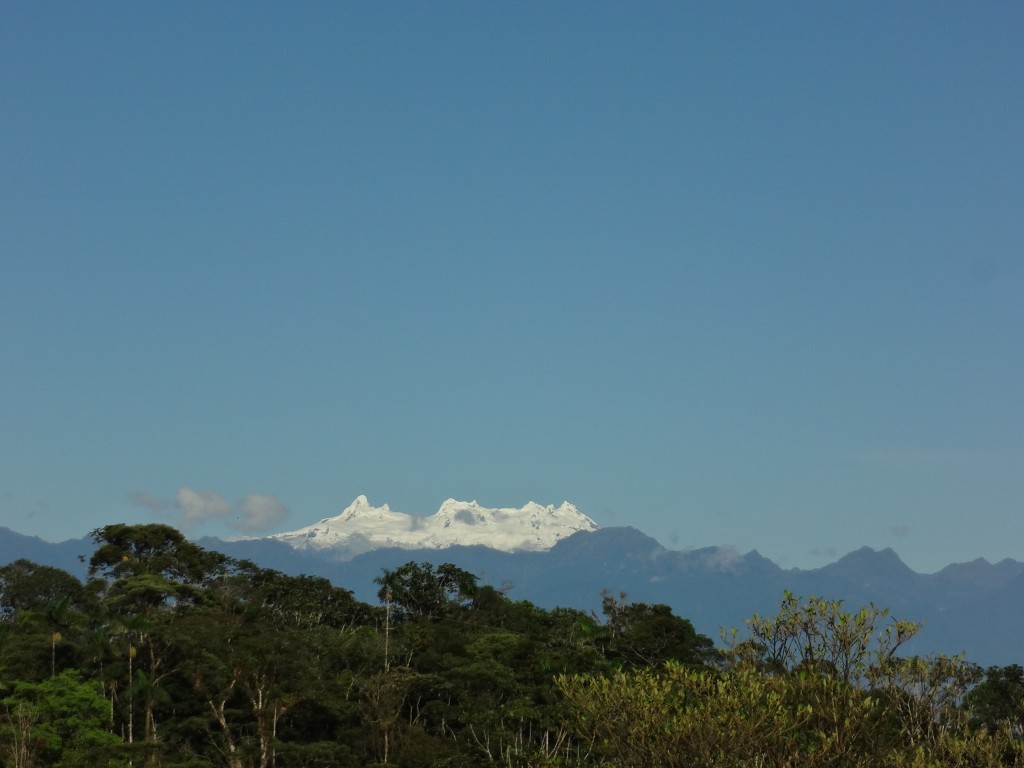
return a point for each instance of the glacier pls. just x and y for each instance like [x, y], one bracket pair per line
[362, 527]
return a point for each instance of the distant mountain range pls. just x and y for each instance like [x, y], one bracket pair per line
[975, 608]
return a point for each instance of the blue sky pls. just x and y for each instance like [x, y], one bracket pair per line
[742, 274]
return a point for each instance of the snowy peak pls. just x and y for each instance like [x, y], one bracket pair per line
[532, 514]
[361, 527]
[361, 508]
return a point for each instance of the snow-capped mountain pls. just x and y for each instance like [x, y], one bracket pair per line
[362, 527]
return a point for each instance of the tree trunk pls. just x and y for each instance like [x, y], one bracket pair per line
[234, 759]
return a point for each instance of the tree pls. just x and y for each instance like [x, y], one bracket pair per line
[419, 591]
[298, 602]
[819, 637]
[147, 576]
[46, 606]
[679, 717]
[813, 685]
[147, 565]
[997, 702]
[28, 586]
[62, 721]
[649, 635]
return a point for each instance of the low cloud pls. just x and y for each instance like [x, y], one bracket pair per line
[726, 558]
[191, 508]
[201, 506]
[899, 530]
[258, 513]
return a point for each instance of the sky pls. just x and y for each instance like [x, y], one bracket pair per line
[742, 274]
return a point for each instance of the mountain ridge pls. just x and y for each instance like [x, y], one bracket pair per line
[972, 607]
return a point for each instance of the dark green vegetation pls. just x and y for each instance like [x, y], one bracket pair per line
[172, 655]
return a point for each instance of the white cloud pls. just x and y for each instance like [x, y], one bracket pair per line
[258, 513]
[725, 558]
[190, 508]
[200, 506]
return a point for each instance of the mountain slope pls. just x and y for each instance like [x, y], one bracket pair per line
[71, 555]
[972, 608]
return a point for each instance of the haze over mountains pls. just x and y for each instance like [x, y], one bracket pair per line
[557, 556]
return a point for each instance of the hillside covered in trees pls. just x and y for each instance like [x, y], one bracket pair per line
[173, 655]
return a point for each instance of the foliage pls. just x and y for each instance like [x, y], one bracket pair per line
[28, 586]
[811, 686]
[997, 703]
[649, 635]
[420, 591]
[60, 721]
[819, 637]
[174, 656]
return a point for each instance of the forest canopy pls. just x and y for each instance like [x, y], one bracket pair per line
[172, 655]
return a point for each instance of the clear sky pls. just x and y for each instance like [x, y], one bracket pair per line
[745, 274]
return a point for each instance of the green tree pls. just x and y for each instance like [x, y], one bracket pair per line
[818, 636]
[680, 717]
[997, 702]
[45, 608]
[812, 686]
[62, 721]
[28, 586]
[145, 566]
[148, 576]
[417, 590]
[649, 635]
